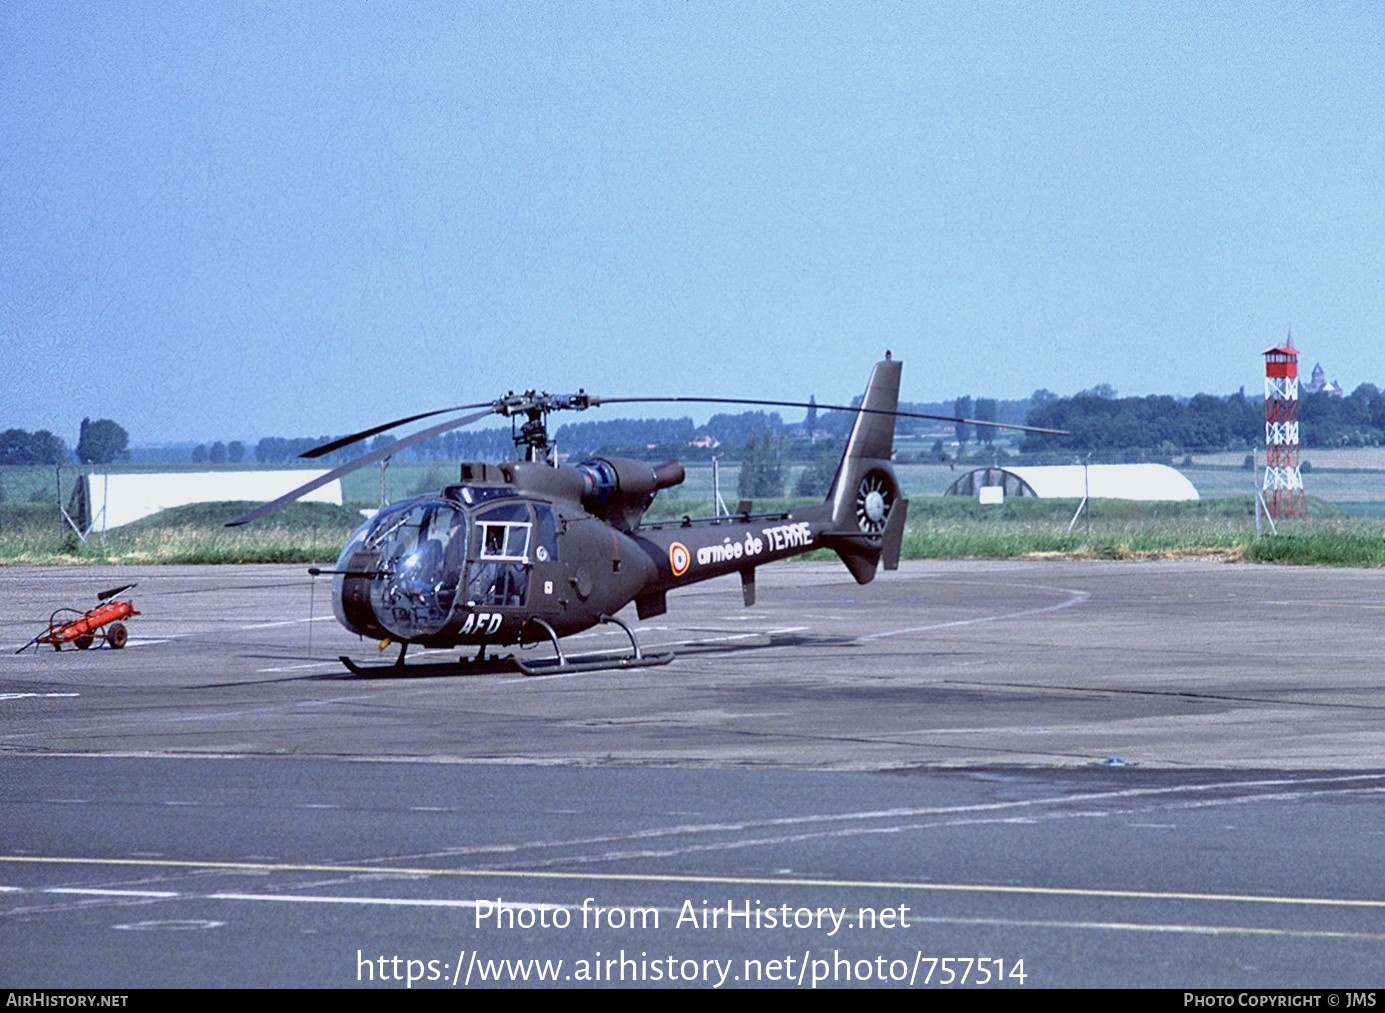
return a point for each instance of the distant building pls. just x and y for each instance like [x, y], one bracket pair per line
[111, 501]
[1073, 481]
[1320, 385]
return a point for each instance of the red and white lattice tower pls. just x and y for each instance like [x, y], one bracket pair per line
[1283, 485]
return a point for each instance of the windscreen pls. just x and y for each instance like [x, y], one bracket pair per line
[415, 553]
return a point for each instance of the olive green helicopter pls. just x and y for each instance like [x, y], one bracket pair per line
[529, 550]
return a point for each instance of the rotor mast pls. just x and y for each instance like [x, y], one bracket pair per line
[532, 434]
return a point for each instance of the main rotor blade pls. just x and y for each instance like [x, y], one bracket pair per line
[365, 434]
[360, 462]
[824, 407]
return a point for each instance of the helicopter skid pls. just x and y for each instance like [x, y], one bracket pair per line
[562, 665]
[495, 666]
[487, 666]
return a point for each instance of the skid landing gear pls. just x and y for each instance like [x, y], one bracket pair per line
[563, 664]
[482, 665]
[464, 666]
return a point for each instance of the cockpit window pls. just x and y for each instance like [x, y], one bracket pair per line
[420, 550]
[502, 540]
[545, 533]
[500, 562]
[387, 524]
[421, 561]
[472, 495]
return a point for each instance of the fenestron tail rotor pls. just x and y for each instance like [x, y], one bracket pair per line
[875, 496]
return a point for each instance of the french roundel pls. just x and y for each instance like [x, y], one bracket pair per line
[679, 559]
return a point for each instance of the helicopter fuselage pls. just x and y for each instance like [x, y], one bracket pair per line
[496, 561]
[530, 550]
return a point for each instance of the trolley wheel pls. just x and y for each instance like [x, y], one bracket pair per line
[117, 635]
[84, 641]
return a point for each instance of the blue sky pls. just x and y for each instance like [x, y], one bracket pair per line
[225, 221]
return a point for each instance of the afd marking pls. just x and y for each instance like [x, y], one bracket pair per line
[482, 622]
[679, 559]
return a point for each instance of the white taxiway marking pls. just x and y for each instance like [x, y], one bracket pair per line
[91, 891]
[780, 830]
[299, 668]
[465, 904]
[286, 622]
[1075, 597]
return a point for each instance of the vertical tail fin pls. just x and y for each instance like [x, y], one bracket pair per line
[867, 504]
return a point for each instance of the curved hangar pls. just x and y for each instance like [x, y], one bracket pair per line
[1102, 481]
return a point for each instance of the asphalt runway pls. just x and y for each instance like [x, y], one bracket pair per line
[1167, 664]
[1010, 774]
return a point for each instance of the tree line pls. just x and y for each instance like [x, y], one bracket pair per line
[99, 442]
[1158, 423]
[1097, 420]
[219, 453]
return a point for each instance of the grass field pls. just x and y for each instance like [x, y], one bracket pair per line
[1346, 526]
[300, 533]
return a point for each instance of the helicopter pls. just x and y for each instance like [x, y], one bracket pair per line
[529, 550]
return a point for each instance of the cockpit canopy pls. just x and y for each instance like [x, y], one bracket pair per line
[421, 562]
